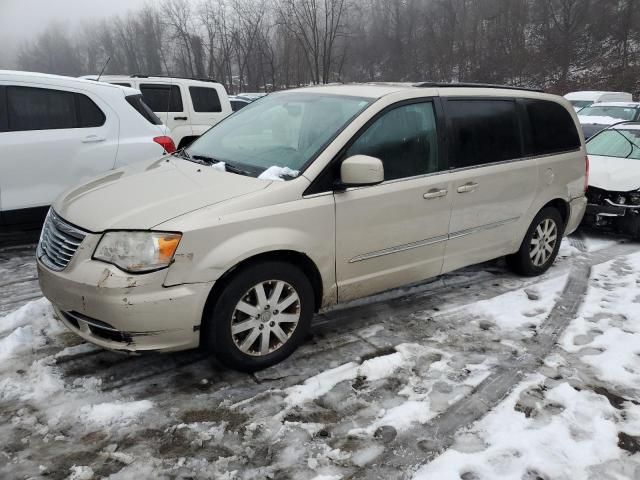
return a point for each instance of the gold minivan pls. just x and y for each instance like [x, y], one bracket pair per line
[305, 199]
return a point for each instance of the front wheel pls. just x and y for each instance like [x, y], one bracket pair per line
[540, 245]
[261, 316]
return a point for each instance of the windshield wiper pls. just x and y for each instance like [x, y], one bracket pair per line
[182, 153]
[233, 169]
[206, 160]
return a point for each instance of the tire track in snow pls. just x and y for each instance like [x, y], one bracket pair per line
[407, 455]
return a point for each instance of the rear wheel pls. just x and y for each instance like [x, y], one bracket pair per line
[261, 316]
[540, 245]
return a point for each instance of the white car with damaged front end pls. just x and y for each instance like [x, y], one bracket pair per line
[614, 179]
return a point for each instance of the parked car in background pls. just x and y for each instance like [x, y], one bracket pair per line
[238, 102]
[308, 198]
[57, 131]
[602, 115]
[580, 100]
[188, 106]
[614, 179]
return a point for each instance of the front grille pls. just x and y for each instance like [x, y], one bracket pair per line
[59, 241]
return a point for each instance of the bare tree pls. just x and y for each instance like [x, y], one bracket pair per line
[272, 44]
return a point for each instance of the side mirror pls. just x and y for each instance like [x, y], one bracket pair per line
[361, 171]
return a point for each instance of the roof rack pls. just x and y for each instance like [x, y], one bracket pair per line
[472, 85]
[200, 79]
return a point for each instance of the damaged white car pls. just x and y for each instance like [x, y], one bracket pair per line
[599, 116]
[614, 180]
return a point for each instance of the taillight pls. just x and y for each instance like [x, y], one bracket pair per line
[166, 143]
[586, 172]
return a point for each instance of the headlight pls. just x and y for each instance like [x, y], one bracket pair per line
[138, 252]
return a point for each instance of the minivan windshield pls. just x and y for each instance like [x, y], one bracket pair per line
[614, 112]
[616, 143]
[281, 132]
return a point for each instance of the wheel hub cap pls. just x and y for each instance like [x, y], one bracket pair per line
[265, 318]
[543, 242]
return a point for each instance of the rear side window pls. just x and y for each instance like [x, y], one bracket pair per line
[552, 128]
[3, 109]
[143, 109]
[483, 131]
[89, 114]
[122, 84]
[205, 99]
[40, 109]
[162, 98]
[31, 108]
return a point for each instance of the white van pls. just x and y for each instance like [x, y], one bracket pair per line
[308, 198]
[580, 100]
[189, 107]
[58, 131]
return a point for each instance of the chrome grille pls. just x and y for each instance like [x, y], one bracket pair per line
[59, 241]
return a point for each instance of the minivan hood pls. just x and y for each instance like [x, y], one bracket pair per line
[614, 174]
[146, 194]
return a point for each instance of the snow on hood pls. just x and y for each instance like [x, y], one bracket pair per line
[276, 173]
[615, 174]
[595, 119]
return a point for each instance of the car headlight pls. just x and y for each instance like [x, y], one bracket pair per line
[138, 252]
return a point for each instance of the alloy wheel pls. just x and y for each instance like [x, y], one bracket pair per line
[265, 318]
[543, 242]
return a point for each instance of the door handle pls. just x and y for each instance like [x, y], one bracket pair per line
[434, 193]
[93, 139]
[180, 118]
[467, 187]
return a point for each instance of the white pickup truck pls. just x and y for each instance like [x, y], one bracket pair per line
[189, 107]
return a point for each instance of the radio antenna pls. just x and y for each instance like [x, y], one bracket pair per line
[103, 67]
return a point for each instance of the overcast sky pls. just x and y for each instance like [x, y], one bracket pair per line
[21, 19]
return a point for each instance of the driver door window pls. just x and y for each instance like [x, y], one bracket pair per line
[404, 139]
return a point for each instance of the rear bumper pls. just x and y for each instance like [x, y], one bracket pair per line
[577, 208]
[122, 312]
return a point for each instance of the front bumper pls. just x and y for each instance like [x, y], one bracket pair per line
[616, 217]
[124, 312]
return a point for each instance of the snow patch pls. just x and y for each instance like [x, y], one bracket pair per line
[523, 307]
[276, 173]
[80, 473]
[581, 435]
[114, 412]
[598, 120]
[606, 329]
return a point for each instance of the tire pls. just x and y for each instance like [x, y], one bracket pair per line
[527, 260]
[248, 299]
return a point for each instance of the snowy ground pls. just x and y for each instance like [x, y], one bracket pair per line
[477, 375]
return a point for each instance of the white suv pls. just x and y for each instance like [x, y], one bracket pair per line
[308, 198]
[57, 131]
[188, 106]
